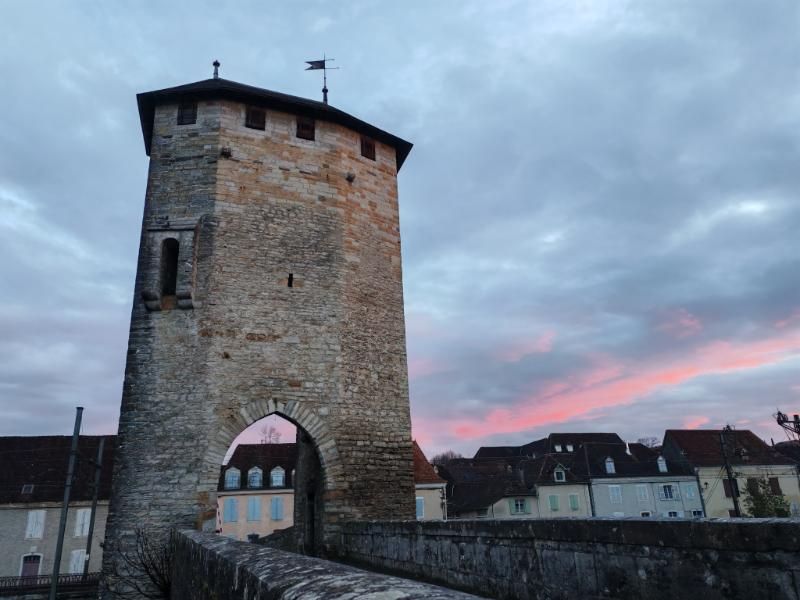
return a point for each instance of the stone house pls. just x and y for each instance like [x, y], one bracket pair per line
[750, 459]
[32, 478]
[256, 490]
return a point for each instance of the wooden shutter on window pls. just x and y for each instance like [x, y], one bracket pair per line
[775, 486]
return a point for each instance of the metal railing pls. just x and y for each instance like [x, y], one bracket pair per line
[65, 582]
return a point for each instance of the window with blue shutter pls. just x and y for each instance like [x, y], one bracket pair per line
[230, 512]
[254, 509]
[276, 509]
[420, 507]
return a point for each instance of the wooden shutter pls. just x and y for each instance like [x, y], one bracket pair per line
[775, 486]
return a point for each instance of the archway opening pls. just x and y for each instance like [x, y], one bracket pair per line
[271, 487]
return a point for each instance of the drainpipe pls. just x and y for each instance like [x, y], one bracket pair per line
[700, 491]
[589, 481]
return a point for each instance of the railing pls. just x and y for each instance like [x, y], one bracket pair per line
[65, 582]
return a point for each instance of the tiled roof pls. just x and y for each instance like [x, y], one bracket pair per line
[232, 90]
[41, 461]
[264, 456]
[701, 447]
[423, 470]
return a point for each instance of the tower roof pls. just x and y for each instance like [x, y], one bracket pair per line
[231, 90]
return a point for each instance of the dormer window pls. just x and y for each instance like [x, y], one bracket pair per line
[27, 489]
[305, 128]
[367, 147]
[254, 478]
[187, 113]
[558, 447]
[662, 465]
[256, 118]
[232, 479]
[277, 477]
[559, 475]
[570, 448]
[610, 469]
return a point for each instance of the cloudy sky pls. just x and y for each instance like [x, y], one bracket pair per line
[600, 215]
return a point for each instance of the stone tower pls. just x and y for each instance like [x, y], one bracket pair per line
[268, 281]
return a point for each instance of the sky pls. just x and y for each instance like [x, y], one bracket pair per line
[599, 217]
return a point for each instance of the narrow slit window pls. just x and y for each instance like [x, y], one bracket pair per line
[367, 147]
[256, 118]
[305, 128]
[169, 267]
[187, 113]
[290, 281]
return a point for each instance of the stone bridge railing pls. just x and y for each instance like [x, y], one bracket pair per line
[595, 558]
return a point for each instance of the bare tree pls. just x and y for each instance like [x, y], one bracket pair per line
[145, 571]
[270, 435]
[649, 441]
[445, 457]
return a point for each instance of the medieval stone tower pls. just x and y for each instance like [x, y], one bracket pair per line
[269, 281]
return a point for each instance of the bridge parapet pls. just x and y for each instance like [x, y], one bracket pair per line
[589, 558]
[208, 566]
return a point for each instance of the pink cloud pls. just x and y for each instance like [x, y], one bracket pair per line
[519, 349]
[792, 318]
[422, 367]
[694, 422]
[681, 324]
[615, 383]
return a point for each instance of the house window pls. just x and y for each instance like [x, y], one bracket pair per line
[731, 487]
[641, 492]
[610, 466]
[553, 502]
[690, 491]
[305, 128]
[558, 447]
[646, 513]
[255, 118]
[230, 512]
[615, 494]
[662, 465]
[668, 492]
[232, 479]
[574, 504]
[254, 478]
[673, 514]
[560, 475]
[276, 509]
[30, 565]
[82, 518]
[76, 560]
[697, 513]
[519, 506]
[570, 448]
[254, 509]
[367, 147]
[35, 528]
[169, 267]
[277, 477]
[420, 507]
[27, 489]
[187, 113]
[775, 486]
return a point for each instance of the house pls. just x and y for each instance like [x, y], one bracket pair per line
[32, 479]
[256, 490]
[431, 498]
[749, 457]
[573, 474]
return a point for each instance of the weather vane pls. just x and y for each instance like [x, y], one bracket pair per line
[321, 64]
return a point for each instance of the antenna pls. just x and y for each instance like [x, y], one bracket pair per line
[315, 65]
[216, 66]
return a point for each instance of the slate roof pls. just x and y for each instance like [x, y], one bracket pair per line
[547, 445]
[641, 462]
[701, 447]
[232, 90]
[789, 449]
[478, 483]
[423, 470]
[42, 461]
[264, 456]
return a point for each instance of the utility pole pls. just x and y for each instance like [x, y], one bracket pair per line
[732, 484]
[98, 466]
[62, 526]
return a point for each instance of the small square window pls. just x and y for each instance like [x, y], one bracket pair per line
[673, 514]
[697, 513]
[519, 505]
[560, 475]
[256, 118]
[27, 489]
[645, 513]
[187, 113]
[558, 447]
[367, 147]
[305, 128]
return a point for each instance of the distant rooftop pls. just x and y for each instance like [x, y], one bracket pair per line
[219, 88]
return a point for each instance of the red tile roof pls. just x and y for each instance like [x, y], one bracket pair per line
[701, 447]
[423, 470]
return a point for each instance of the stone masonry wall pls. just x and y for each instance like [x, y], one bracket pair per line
[249, 208]
[208, 566]
[751, 559]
